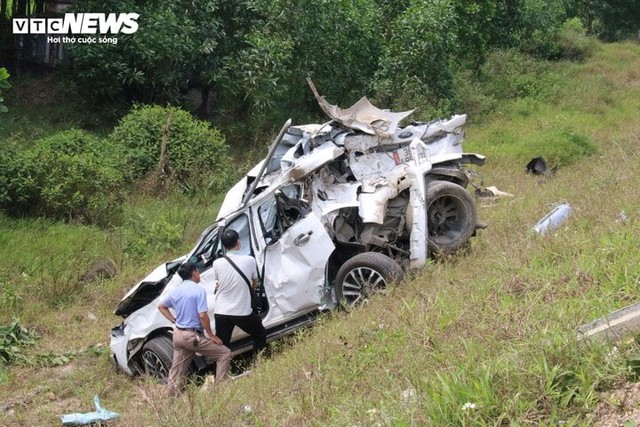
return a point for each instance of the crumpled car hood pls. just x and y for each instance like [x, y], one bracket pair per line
[362, 115]
[365, 117]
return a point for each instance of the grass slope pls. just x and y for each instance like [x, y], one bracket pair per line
[486, 338]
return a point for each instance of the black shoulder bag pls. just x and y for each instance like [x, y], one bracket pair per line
[256, 300]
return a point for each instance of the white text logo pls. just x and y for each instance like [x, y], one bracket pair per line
[79, 23]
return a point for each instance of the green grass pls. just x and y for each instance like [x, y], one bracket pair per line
[487, 338]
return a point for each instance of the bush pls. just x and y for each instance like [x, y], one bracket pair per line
[196, 153]
[573, 41]
[508, 74]
[150, 235]
[71, 175]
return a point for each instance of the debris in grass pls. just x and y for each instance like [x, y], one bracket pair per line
[100, 415]
[538, 166]
[491, 194]
[408, 395]
[468, 406]
[622, 217]
[613, 327]
[553, 219]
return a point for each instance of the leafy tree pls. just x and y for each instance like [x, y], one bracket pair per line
[178, 45]
[419, 60]
[616, 19]
[336, 43]
[532, 26]
[475, 21]
[4, 84]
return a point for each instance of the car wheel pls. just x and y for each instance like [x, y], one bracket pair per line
[451, 217]
[157, 356]
[364, 275]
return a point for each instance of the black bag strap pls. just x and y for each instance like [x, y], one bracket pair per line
[233, 264]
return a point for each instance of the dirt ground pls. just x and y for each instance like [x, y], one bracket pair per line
[620, 407]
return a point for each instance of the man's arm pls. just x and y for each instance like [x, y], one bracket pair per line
[166, 313]
[206, 324]
[254, 274]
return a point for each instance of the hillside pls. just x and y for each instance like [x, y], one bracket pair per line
[485, 338]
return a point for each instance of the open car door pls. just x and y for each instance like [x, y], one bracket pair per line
[294, 260]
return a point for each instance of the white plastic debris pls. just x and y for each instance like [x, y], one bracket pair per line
[553, 219]
[469, 406]
[498, 193]
[99, 416]
[408, 395]
[622, 217]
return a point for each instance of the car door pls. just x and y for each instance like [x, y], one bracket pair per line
[296, 248]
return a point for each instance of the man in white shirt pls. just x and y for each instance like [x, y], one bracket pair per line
[233, 296]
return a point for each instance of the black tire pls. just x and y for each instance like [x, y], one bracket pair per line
[363, 275]
[451, 216]
[157, 357]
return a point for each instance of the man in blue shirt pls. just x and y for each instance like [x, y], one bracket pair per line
[189, 302]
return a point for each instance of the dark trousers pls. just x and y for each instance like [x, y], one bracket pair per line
[251, 324]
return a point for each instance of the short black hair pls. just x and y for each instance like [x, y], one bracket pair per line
[229, 238]
[186, 270]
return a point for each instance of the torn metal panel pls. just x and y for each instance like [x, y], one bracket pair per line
[310, 163]
[296, 265]
[365, 117]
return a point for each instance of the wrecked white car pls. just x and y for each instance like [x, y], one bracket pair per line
[334, 213]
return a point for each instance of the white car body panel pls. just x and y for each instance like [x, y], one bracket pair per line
[384, 162]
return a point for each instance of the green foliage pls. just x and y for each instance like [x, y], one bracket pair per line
[540, 22]
[9, 296]
[4, 84]
[196, 152]
[474, 26]
[569, 145]
[335, 43]
[508, 74]
[168, 53]
[13, 339]
[484, 340]
[146, 235]
[418, 63]
[505, 75]
[248, 60]
[528, 25]
[609, 19]
[70, 175]
[573, 42]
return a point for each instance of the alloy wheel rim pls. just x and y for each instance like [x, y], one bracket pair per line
[361, 283]
[153, 365]
[444, 218]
